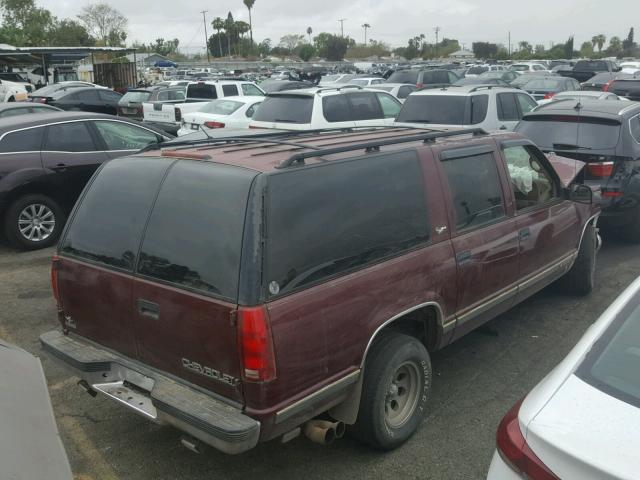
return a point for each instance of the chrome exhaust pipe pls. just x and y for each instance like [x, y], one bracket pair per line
[323, 432]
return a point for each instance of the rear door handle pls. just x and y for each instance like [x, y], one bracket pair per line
[463, 256]
[525, 233]
[148, 309]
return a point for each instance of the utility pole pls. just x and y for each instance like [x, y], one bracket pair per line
[341, 20]
[509, 43]
[437, 30]
[206, 36]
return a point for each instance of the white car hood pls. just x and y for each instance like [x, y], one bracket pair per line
[584, 433]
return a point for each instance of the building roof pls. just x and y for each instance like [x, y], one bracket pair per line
[12, 54]
[140, 57]
[462, 53]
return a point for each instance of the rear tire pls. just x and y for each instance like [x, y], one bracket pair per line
[580, 279]
[33, 222]
[395, 391]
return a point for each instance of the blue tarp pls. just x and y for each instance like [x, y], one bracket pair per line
[165, 63]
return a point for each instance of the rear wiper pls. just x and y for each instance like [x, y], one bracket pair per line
[569, 146]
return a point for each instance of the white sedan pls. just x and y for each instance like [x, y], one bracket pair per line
[227, 112]
[582, 421]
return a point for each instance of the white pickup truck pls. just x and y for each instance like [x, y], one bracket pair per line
[168, 116]
[12, 92]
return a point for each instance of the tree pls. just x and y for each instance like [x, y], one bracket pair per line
[229, 23]
[484, 49]
[68, 33]
[264, 47]
[249, 4]
[241, 28]
[615, 47]
[105, 23]
[539, 50]
[291, 41]
[337, 47]
[309, 32]
[366, 26]
[306, 52]
[218, 25]
[568, 48]
[165, 47]
[586, 50]
[629, 47]
[24, 24]
[599, 41]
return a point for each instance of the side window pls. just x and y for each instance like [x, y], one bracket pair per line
[390, 106]
[452, 77]
[475, 190]
[206, 257]
[507, 108]
[634, 125]
[527, 104]
[122, 136]
[163, 95]
[107, 226]
[479, 106]
[88, 95]
[69, 137]
[108, 95]
[531, 183]
[29, 140]
[229, 90]
[406, 90]
[364, 106]
[377, 81]
[336, 108]
[12, 112]
[249, 89]
[252, 109]
[382, 207]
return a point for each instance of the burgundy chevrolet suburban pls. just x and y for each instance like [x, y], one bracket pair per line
[239, 288]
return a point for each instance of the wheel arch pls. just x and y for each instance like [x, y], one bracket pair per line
[423, 321]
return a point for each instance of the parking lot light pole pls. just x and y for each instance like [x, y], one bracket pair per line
[206, 36]
[341, 20]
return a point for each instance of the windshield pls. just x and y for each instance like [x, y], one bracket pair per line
[221, 107]
[12, 77]
[613, 364]
[135, 97]
[285, 109]
[444, 109]
[362, 83]
[591, 66]
[477, 70]
[570, 133]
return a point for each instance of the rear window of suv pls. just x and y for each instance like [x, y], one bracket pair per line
[444, 109]
[285, 109]
[562, 132]
[404, 76]
[328, 219]
[591, 66]
[201, 90]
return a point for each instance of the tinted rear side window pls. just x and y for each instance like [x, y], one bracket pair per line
[336, 108]
[507, 108]
[69, 137]
[229, 90]
[365, 106]
[329, 219]
[444, 109]
[29, 140]
[404, 76]
[108, 223]
[285, 109]
[194, 236]
[475, 190]
[201, 90]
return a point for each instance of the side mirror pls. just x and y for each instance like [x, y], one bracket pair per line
[580, 194]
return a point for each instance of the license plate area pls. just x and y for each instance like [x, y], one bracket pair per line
[194, 126]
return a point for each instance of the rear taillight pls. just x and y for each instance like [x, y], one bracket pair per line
[549, 95]
[419, 85]
[600, 169]
[214, 124]
[256, 345]
[178, 114]
[607, 86]
[516, 453]
[611, 193]
[55, 261]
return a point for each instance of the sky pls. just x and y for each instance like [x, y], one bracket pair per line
[393, 22]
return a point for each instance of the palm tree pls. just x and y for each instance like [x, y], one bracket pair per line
[218, 24]
[309, 32]
[600, 40]
[240, 28]
[422, 37]
[365, 26]
[594, 41]
[229, 24]
[249, 4]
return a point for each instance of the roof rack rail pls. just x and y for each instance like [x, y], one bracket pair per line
[488, 86]
[375, 145]
[348, 85]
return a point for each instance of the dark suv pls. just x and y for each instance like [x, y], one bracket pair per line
[45, 161]
[606, 135]
[236, 289]
[429, 78]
